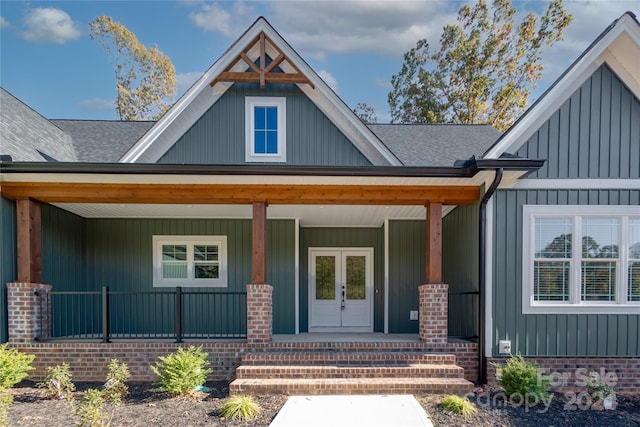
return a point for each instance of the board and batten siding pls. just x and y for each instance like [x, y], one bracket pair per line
[218, 137]
[460, 231]
[594, 134]
[330, 237]
[8, 266]
[82, 254]
[551, 334]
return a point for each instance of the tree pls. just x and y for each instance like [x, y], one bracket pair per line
[483, 71]
[366, 113]
[145, 77]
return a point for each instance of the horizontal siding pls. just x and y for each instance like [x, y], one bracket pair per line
[407, 257]
[594, 134]
[218, 137]
[8, 270]
[343, 238]
[558, 334]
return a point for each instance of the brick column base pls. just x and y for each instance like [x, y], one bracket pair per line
[29, 314]
[259, 314]
[433, 299]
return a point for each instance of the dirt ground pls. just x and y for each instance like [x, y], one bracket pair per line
[146, 406]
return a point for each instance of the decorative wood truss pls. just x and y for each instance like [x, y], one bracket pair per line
[263, 73]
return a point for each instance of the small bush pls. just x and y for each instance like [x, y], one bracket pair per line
[520, 377]
[13, 366]
[90, 412]
[6, 399]
[116, 388]
[58, 382]
[183, 371]
[240, 408]
[459, 405]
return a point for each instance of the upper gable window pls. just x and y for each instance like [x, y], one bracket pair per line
[265, 129]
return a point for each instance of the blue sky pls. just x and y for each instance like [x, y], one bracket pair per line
[48, 61]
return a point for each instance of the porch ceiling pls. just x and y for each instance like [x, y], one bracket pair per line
[309, 215]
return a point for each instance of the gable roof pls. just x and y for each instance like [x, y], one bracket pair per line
[102, 140]
[25, 135]
[201, 96]
[618, 46]
[435, 145]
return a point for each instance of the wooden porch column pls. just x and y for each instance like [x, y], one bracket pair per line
[259, 224]
[433, 295]
[29, 236]
[434, 243]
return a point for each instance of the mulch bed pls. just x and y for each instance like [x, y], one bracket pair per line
[146, 406]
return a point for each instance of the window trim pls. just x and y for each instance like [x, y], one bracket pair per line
[265, 101]
[575, 305]
[190, 241]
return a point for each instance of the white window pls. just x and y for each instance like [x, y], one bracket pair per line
[190, 261]
[265, 123]
[600, 274]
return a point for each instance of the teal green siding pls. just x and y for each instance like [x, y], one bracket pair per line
[86, 254]
[460, 230]
[407, 256]
[8, 271]
[218, 137]
[343, 238]
[558, 334]
[594, 134]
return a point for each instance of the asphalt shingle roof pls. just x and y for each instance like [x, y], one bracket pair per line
[103, 141]
[435, 145]
[26, 136]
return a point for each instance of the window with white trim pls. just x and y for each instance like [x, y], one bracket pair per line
[191, 261]
[265, 124]
[599, 274]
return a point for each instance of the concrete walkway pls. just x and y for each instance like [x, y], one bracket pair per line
[352, 411]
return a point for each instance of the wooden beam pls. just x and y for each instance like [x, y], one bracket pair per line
[434, 243]
[253, 77]
[263, 60]
[29, 244]
[259, 258]
[415, 195]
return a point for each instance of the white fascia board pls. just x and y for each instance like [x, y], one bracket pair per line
[564, 88]
[578, 184]
[182, 115]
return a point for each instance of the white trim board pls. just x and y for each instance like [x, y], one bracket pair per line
[578, 184]
[488, 280]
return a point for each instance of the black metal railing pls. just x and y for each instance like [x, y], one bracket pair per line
[464, 307]
[168, 314]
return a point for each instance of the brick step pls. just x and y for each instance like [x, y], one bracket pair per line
[301, 386]
[337, 371]
[347, 358]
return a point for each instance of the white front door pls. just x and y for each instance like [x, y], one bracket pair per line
[341, 290]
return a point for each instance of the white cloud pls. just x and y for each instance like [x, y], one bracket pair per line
[329, 79]
[212, 17]
[98, 104]
[49, 25]
[185, 80]
[384, 83]
[3, 22]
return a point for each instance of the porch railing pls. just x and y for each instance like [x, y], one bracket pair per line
[463, 314]
[168, 314]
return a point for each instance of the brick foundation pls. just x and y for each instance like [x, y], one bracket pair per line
[28, 316]
[259, 314]
[433, 303]
[627, 370]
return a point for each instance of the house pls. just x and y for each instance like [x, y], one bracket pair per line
[261, 219]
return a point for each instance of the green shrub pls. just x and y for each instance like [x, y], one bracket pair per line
[183, 371]
[520, 377]
[13, 366]
[240, 408]
[58, 381]
[116, 388]
[6, 399]
[90, 412]
[459, 405]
